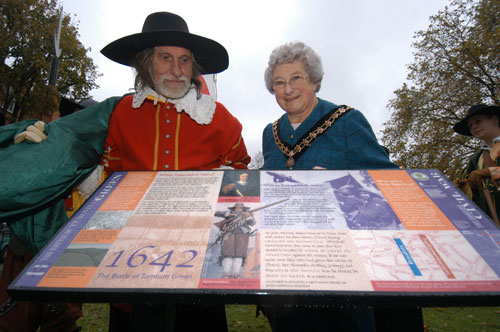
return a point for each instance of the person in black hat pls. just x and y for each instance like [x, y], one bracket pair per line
[169, 124]
[482, 171]
[235, 231]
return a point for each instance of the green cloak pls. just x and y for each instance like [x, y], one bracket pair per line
[37, 177]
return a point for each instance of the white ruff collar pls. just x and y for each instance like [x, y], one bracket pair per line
[200, 110]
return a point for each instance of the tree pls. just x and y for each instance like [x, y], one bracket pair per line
[27, 30]
[456, 65]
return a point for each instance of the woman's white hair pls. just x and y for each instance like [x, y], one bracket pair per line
[295, 51]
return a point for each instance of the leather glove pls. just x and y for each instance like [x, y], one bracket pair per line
[33, 133]
[476, 177]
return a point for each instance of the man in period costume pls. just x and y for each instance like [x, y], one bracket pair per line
[243, 186]
[235, 232]
[167, 124]
[480, 177]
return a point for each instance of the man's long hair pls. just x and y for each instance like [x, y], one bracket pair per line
[142, 65]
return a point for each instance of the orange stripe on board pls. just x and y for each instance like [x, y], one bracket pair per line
[129, 192]
[67, 277]
[414, 208]
[96, 236]
[442, 264]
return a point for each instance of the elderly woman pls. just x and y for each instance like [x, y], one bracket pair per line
[317, 134]
[346, 140]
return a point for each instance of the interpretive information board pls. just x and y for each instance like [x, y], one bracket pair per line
[370, 231]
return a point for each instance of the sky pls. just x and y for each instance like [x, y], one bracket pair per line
[365, 46]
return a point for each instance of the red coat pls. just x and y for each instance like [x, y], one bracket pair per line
[157, 137]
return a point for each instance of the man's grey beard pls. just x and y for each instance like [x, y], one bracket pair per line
[160, 88]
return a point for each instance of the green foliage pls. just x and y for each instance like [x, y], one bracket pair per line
[456, 65]
[27, 29]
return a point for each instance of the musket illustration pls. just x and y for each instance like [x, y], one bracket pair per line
[238, 221]
[281, 178]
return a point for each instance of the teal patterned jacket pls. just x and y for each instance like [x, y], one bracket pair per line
[348, 144]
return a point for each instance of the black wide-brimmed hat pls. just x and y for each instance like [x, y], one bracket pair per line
[168, 29]
[461, 126]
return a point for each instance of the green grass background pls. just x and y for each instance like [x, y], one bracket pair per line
[241, 318]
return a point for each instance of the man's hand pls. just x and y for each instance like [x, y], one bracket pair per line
[476, 177]
[34, 133]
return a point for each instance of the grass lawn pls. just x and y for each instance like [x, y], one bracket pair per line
[466, 319]
[241, 318]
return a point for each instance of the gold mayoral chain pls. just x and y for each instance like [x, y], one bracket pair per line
[317, 130]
